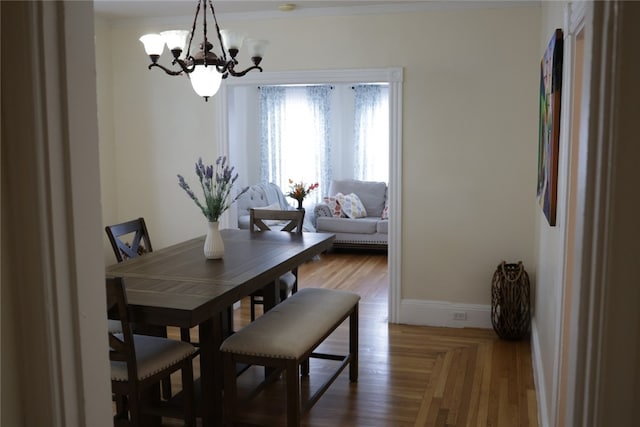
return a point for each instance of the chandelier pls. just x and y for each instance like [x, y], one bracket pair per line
[205, 69]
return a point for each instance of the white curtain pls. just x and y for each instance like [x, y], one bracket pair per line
[371, 132]
[295, 137]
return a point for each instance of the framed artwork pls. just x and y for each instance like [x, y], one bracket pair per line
[549, 132]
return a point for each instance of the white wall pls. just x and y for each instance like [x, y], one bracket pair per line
[469, 128]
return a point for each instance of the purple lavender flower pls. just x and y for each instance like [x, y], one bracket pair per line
[216, 191]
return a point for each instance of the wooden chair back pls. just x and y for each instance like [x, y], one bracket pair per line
[140, 242]
[121, 345]
[257, 223]
[295, 218]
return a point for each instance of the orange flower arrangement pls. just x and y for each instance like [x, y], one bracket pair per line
[300, 190]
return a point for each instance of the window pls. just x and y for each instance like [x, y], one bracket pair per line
[308, 132]
[295, 136]
[371, 132]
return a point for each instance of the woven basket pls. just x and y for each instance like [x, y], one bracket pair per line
[510, 306]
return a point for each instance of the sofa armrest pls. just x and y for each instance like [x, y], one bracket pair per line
[321, 209]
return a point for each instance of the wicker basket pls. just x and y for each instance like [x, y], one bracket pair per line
[510, 306]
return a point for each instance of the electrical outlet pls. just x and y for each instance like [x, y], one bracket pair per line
[459, 315]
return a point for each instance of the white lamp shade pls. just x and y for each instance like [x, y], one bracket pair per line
[256, 47]
[232, 39]
[153, 44]
[205, 80]
[175, 39]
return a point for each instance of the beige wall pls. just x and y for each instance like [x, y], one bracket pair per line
[469, 133]
[106, 128]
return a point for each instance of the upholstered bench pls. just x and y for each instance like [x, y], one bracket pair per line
[285, 337]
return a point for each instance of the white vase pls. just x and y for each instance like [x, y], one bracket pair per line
[213, 243]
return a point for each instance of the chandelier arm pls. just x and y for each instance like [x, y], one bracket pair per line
[242, 73]
[193, 29]
[183, 64]
[166, 70]
[215, 20]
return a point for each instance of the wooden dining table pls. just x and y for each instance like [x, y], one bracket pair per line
[178, 286]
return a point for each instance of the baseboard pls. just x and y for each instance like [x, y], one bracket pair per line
[538, 379]
[443, 313]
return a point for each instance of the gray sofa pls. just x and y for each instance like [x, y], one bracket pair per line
[368, 232]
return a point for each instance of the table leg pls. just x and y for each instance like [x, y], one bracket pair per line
[271, 295]
[211, 379]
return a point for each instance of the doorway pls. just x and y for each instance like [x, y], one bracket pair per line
[393, 77]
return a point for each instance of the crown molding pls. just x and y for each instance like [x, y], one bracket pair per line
[381, 9]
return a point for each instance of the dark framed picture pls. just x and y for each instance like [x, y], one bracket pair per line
[549, 132]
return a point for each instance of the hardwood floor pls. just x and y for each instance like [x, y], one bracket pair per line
[409, 375]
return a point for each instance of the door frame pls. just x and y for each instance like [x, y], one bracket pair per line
[604, 349]
[394, 77]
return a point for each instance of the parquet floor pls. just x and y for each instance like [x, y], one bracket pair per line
[409, 375]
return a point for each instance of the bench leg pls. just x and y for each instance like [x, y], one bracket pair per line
[353, 344]
[293, 394]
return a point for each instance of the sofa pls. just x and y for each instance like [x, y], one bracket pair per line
[357, 222]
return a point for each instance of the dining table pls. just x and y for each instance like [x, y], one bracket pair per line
[178, 286]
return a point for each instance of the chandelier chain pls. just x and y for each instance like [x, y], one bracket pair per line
[215, 20]
[193, 31]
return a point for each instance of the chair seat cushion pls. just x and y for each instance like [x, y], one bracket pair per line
[287, 281]
[153, 354]
[293, 327]
[114, 326]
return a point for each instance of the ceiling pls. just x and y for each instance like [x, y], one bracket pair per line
[119, 9]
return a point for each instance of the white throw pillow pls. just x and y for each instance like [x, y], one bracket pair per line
[351, 205]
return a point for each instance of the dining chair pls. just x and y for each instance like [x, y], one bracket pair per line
[128, 240]
[139, 362]
[135, 231]
[265, 220]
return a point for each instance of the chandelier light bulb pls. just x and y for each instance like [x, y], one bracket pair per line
[176, 40]
[153, 44]
[232, 40]
[205, 80]
[256, 48]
